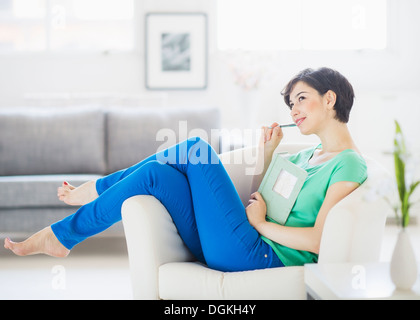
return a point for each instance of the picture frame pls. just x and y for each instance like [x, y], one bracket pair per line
[176, 51]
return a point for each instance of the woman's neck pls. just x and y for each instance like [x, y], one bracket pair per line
[336, 138]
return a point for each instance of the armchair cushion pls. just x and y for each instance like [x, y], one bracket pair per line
[187, 280]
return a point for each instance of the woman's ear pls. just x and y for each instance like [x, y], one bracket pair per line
[330, 99]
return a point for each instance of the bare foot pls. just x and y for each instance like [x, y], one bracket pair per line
[43, 241]
[77, 196]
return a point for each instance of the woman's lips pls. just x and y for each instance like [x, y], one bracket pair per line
[299, 121]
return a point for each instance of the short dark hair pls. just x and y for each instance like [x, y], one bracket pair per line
[322, 80]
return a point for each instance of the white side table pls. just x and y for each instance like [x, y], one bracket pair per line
[354, 281]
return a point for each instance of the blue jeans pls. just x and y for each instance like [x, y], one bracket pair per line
[191, 182]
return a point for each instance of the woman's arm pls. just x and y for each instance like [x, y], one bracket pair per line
[269, 140]
[307, 239]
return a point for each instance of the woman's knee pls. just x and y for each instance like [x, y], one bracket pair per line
[198, 141]
[201, 152]
[161, 175]
[148, 172]
[152, 168]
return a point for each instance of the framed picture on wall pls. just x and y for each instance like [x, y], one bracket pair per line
[176, 51]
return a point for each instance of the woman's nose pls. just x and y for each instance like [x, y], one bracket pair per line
[294, 111]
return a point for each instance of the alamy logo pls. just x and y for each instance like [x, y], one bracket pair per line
[358, 281]
[217, 137]
[59, 277]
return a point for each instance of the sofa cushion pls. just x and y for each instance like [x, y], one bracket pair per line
[47, 141]
[36, 190]
[132, 133]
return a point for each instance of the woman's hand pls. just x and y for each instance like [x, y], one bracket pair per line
[256, 210]
[270, 138]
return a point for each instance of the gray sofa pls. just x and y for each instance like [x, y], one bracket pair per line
[41, 148]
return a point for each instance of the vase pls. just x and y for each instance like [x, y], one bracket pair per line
[403, 262]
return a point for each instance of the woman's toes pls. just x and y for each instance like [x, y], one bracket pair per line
[68, 186]
[8, 243]
[15, 247]
[43, 241]
[64, 193]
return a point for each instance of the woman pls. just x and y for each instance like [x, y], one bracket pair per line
[203, 203]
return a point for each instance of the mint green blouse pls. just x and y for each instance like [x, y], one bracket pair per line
[346, 166]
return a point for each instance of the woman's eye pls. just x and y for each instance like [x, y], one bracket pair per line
[301, 98]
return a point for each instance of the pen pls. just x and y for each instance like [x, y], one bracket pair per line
[285, 125]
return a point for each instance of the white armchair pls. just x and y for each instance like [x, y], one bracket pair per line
[163, 268]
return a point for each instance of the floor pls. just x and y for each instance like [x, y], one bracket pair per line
[97, 269]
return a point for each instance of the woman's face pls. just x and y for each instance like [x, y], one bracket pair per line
[309, 110]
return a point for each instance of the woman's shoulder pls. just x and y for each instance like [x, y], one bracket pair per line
[349, 166]
[351, 156]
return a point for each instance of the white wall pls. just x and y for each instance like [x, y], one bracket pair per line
[386, 84]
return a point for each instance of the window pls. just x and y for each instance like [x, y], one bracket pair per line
[302, 24]
[66, 25]
[22, 25]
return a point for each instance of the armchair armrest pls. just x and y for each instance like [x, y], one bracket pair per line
[354, 228]
[152, 240]
[151, 236]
